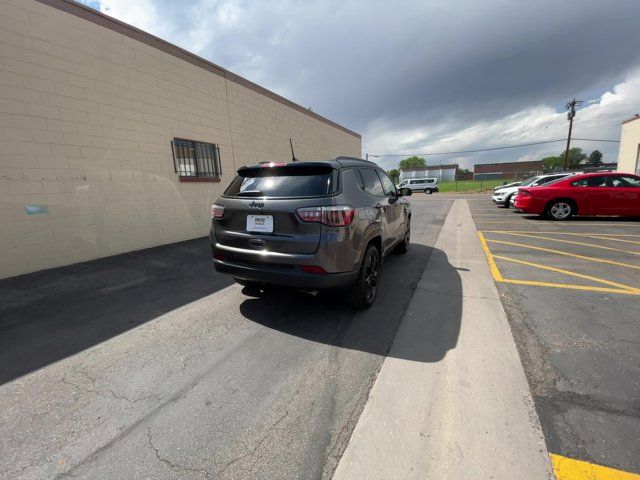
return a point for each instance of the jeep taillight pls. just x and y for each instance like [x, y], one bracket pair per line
[217, 211]
[338, 216]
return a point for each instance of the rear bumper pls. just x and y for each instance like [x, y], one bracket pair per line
[530, 205]
[290, 275]
[277, 269]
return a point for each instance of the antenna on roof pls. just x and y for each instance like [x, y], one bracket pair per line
[293, 155]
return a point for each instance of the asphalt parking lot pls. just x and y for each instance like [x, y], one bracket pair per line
[571, 291]
[152, 365]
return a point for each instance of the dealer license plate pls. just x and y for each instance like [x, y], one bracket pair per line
[260, 223]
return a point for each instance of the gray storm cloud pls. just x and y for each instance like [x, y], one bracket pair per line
[425, 70]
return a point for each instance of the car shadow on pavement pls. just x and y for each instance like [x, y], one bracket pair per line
[324, 318]
[49, 315]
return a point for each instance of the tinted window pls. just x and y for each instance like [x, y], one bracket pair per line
[430, 180]
[415, 182]
[625, 181]
[387, 184]
[591, 182]
[283, 182]
[372, 183]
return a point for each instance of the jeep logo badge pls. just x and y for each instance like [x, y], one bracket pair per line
[255, 204]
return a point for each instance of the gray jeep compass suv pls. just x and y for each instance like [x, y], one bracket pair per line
[310, 225]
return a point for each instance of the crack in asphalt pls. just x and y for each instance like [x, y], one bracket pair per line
[263, 439]
[173, 465]
[111, 393]
[167, 400]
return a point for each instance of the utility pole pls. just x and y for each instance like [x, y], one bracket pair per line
[571, 106]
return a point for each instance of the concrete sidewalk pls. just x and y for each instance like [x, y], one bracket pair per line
[467, 413]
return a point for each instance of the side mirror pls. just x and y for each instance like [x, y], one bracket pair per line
[405, 192]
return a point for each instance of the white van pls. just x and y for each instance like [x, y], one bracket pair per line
[427, 185]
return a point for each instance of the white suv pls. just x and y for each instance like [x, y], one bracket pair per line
[427, 185]
[503, 196]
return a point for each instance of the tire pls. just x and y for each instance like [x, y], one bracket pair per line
[560, 210]
[403, 246]
[507, 201]
[428, 190]
[363, 292]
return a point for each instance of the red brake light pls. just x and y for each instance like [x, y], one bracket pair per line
[338, 216]
[312, 214]
[524, 193]
[313, 269]
[217, 211]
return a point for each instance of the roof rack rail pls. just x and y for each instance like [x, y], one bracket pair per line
[354, 158]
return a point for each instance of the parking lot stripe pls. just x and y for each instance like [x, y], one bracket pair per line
[497, 276]
[613, 239]
[527, 235]
[619, 286]
[570, 286]
[560, 252]
[566, 233]
[565, 224]
[569, 469]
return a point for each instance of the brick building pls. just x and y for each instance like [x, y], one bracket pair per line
[507, 170]
[113, 140]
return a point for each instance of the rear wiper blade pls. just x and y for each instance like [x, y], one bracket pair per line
[250, 193]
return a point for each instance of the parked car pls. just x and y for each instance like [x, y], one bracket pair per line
[427, 185]
[584, 195]
[503, 195]
[506, 185]
[310, 225]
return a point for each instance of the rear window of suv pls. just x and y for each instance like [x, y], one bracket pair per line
[298, 181]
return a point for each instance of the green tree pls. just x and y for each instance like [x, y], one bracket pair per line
[412, 162]
[576, 157]
[595, 158]
[553, 163]
[394, 175]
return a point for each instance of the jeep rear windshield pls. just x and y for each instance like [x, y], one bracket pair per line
[290, 181]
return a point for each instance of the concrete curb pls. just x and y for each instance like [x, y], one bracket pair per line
[451, 400]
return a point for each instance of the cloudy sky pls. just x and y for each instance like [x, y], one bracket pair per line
[421, 76]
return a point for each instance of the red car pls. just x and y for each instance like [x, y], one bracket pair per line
[586, 194]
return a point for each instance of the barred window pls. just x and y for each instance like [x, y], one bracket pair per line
[195, 159]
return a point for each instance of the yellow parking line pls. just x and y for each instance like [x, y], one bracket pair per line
[574, 224]
[559, 252]
[569, 469]
[613, 239]
[497, 276]
[527, 235]
[573, 274]
[565, 233]
[569, 286]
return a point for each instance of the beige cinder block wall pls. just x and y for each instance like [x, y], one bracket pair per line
[629, 152]
[88, 108]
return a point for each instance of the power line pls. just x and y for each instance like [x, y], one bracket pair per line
[490, 148]
[596, 140]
